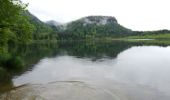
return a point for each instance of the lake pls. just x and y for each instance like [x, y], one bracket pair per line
[79, 70]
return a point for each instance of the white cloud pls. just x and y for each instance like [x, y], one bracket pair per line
[134, 14]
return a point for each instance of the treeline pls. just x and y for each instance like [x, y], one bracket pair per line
[159, 34]
[164, 31]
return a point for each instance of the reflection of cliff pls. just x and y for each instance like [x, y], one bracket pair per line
[33, 53]
[94, 50]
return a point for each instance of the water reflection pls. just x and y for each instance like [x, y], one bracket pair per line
[129, 70]
[66, 68]
[148, 66]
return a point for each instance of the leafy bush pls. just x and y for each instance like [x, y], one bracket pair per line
[3, 58]
[14, 63]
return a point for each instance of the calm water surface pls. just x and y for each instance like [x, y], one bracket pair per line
[96, 71]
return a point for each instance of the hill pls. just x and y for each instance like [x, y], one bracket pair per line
[42, 30]
[40, 27]
[93, 26]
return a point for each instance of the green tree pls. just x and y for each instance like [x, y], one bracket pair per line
[23, 30]
[14, 26]
[10, 10]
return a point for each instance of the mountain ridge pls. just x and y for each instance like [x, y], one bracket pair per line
[94, 25]
[86, 26]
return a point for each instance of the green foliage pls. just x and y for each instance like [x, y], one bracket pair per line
[151, 36]
[14, 27]
[10, 61]
[9, 12]
[40, 27]
[5, 35]
[41, 30]
[14, 63]
[3, 58]
[23, 30]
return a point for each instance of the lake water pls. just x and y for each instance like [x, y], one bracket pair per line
[92, 71]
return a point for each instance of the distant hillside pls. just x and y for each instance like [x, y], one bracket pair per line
[163, 31]
[42, 31]
[53, 23]
[94, 25]
[40, 27]
[56, 26]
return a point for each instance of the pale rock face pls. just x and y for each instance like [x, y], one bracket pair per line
[98, 20]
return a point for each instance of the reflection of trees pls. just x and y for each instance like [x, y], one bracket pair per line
[34, 52]
[31, 54]
[94, 50]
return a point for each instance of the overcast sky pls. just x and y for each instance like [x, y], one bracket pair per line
[133, 14]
